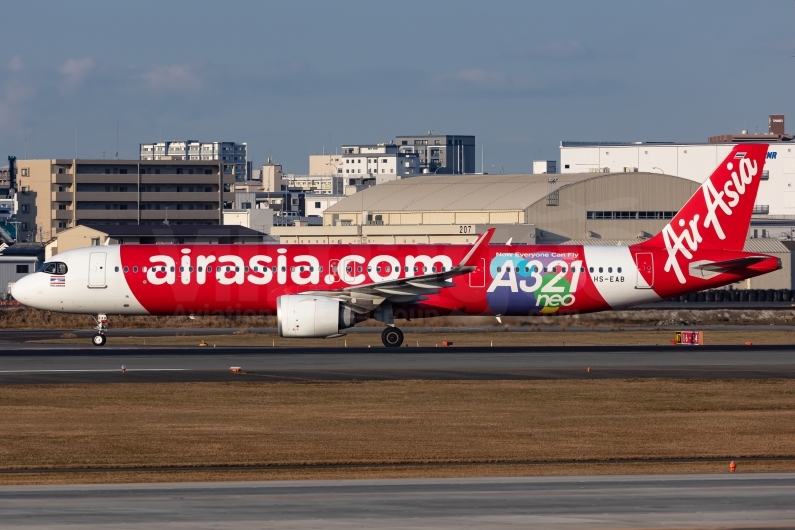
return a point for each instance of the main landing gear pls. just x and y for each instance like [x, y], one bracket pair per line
[102, 325]
[392, 337]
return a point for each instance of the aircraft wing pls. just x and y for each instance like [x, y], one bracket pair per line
[365, 298]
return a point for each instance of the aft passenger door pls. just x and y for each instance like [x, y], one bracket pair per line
[96, 270]
[645, 263]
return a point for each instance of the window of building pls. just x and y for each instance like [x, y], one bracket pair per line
[123, 171]
[94, 241]
[24, 226]
[317, 204]
[24, 172]
[62, 207]
[22, 269]
[25, 208]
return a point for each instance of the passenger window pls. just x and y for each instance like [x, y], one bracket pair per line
[237, 269]
[190, 269]
[245, 269]
[320, 269]
[591, 269]
[172, 269]
[601, 269]
[135, 269]
[274, 269]
[619, 270]
[582, 269]
[209, 269]
[126, 269]
[610, 269]
[201, 269]
[499, 269]
[116, 269]
[284, 269]
[554, 269]
[434, 269]
[182, 269]
[359, 269]
[563, 269]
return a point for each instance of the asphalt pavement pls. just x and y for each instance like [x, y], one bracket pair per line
[87, 364]
[581, 502]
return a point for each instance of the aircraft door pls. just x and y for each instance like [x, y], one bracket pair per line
[477, 278]
[333, 270]
[645, 263]
[96, 270]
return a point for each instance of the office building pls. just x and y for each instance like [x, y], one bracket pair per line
[233, 155]
[441, 154]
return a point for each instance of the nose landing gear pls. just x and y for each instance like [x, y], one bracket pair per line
[99, 337]
[392, 337]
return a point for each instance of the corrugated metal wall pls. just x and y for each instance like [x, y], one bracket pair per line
[613, 192]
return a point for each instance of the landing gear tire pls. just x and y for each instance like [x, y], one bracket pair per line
[98, 340]
[392, 337]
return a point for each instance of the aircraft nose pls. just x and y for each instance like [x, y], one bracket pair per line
[23, 289]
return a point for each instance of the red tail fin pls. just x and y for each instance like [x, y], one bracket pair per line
[718, 215]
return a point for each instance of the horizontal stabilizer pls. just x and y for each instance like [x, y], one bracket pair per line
[710, 269]
[729, 264]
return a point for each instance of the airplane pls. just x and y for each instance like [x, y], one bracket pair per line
[320, 290]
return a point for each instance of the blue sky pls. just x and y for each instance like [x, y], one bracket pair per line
[291, 78]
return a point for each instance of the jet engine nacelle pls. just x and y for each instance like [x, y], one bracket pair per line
[313, 316]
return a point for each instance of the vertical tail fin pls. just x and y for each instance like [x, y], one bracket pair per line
[718, 215]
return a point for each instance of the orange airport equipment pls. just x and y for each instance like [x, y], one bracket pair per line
[690, 338]
[235, 369]
[732, 466]
[447, 343]
[203, 343]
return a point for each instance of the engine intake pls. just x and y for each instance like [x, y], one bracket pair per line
[313, 316]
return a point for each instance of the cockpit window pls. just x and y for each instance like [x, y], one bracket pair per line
[53, 267]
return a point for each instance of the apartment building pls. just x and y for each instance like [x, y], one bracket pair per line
[57, 194]
[379, 162]
[233, 155]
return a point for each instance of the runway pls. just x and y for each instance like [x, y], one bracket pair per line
[643, 501]
[79, 364]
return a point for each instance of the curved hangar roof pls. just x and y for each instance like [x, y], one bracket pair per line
[460, 192]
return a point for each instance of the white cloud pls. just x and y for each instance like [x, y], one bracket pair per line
[176, 76]
[75, 70]
[16, 63]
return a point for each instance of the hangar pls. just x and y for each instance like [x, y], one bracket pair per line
[541, 209]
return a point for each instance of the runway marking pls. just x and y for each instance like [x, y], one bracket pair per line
[99, 370]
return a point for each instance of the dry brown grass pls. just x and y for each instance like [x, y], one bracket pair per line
[459, 338]
[27, 318]
[202, 424]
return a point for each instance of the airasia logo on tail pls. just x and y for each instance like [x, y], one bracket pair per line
[727, 197]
